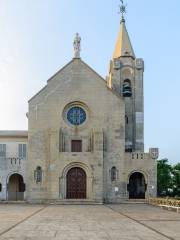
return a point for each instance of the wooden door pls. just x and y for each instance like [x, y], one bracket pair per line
[76, 146]
[76, 184]
[16, 187]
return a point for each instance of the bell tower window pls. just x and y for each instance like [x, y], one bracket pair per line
[127, 90]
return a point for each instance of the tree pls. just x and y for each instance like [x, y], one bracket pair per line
[176, 180]
[164, 178]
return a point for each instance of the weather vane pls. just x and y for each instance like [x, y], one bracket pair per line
[122, 9]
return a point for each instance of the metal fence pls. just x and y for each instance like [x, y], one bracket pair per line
[164, 201]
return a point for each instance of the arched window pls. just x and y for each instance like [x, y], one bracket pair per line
[38, 175]
[127, 90]
[113, 174]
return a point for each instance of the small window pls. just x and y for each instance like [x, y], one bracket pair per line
[2, 150]
[76, 146]
[127, 120]
[113, 174]
[0, 187]
[22, 150]
[128, 149]
[38, 175]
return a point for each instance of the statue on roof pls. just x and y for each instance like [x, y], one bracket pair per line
[77, 46]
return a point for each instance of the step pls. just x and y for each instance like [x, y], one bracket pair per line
[12, 202]
[73, 202]
[135, 201]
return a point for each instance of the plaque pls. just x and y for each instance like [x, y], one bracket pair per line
[116, 189]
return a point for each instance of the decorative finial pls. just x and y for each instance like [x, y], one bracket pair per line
[77, 46]
[122, 9]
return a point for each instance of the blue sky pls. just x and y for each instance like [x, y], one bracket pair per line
[36, 40]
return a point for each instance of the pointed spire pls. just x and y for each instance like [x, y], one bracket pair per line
[123, 45]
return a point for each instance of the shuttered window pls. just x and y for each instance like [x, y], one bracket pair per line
[2, 150]
[22, 150]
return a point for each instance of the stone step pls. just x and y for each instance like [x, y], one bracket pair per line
[12, 202]
[135, 201]
[73, 202]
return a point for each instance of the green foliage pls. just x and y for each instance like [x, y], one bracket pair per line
[168, 179]
[164, 178]
[176, 180]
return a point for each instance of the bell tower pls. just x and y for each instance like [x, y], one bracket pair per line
[126, 79]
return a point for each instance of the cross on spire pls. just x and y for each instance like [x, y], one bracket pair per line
[122, 10]
[123, 45]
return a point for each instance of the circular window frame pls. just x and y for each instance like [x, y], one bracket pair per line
[75, 104]
[76, 115]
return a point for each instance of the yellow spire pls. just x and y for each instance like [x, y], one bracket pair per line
[123, 44]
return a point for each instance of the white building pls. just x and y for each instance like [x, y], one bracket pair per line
[13, 158]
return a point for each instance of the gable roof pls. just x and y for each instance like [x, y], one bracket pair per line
[63, 68]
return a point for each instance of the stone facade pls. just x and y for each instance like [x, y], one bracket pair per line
[86, 134]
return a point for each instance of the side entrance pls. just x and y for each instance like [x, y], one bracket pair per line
[16, 187]
[137, 186]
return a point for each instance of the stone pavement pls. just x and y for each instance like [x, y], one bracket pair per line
[88, 222]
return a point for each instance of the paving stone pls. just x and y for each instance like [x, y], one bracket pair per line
[90, 222]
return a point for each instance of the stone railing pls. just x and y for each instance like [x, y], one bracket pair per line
[172, 202]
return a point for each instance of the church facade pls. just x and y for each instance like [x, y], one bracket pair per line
[85, 138]
[86, 133]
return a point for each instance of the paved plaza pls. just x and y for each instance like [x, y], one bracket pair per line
[88, 222]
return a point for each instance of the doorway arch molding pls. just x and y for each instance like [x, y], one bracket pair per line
[138, 171]
[12, 173]
[89, 179]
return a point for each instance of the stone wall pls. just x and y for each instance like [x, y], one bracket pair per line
[50, 134]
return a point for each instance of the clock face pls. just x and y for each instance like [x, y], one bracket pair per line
[76, 116]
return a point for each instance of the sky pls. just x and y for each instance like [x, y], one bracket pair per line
[36, 41]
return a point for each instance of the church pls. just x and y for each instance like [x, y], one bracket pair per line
[85, 139]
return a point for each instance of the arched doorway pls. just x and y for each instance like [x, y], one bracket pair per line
[16, 187]
[137, 186]
[76, 183]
